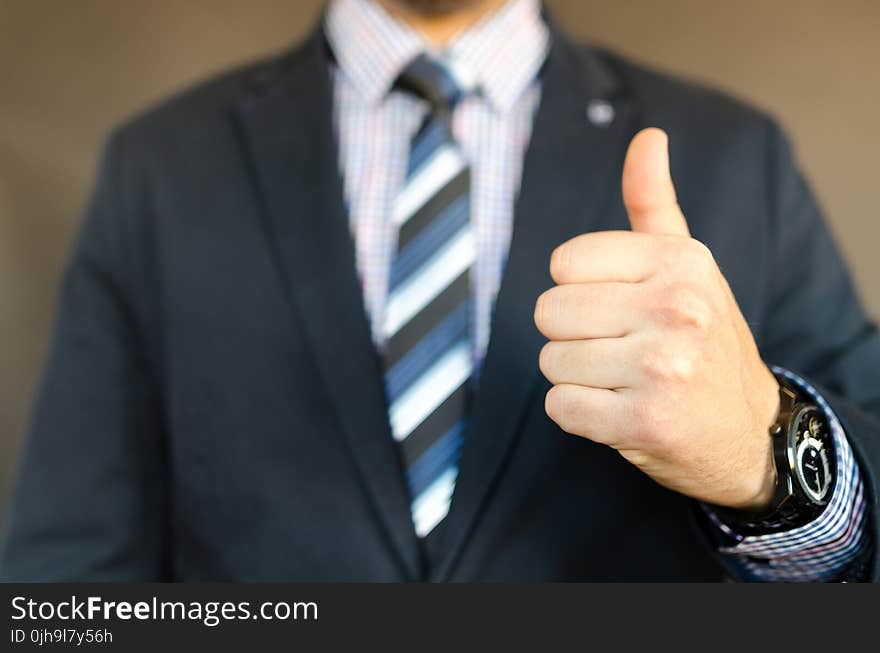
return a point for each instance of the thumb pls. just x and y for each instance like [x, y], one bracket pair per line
[648, 193]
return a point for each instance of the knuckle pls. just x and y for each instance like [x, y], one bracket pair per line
[684, 307]
[670, 364]
[698, 258]
[700, 252]
[654, 364]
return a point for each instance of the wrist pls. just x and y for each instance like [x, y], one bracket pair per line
[762, 488]
[762, 497]
[805, 474]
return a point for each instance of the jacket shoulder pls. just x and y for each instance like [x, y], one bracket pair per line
[199, 113]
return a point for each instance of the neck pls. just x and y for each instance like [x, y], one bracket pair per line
[438, 25]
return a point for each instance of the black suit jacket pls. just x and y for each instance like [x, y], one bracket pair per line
[213, 409]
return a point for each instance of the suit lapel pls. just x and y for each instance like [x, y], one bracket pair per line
[571, 179]
[287, 126]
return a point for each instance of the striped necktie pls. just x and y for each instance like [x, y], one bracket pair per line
[427, 319]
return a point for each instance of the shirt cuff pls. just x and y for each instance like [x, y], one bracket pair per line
[825, 548]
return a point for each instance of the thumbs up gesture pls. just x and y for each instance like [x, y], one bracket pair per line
[649, 353]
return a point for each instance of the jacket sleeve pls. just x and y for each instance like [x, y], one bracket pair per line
[815, 325]
[89, 501]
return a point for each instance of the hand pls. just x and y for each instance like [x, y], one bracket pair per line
[649, 353]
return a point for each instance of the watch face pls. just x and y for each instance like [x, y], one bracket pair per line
[812, 463]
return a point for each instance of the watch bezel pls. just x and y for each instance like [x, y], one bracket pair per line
[794, 443]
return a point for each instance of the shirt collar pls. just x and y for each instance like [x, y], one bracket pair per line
[501, 54]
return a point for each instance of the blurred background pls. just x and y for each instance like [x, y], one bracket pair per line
[70, 70]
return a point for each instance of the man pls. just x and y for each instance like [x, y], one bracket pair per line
[267, 370]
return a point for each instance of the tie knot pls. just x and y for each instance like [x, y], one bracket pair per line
[430, 80]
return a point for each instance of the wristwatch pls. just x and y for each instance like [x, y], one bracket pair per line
[803, 453]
